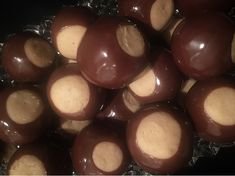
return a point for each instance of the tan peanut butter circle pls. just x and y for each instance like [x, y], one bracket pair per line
[27, 165]
[158, 135]
[73, 126]
[24, 106]
[107, 156]
[219, 105]
[68, 40]
[130, 40]
[39, 52]
[160, 13]
[130, 102]
[145, 83]
[70, 94]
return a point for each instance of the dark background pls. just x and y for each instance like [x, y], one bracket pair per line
[14, 15]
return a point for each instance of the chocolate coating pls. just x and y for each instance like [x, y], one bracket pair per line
[171, 27]
[152, 164]
[167, 78]
[71, 16]
[68, 129]
[122, 107]
[185, 87]
[15, 133]
[97, 132]
[206, 127]
[18, 65]
[95, 99]
[201, 46]
[108, 65]
[137, 9]
[141, 11]
[190, 8]
[56, 160]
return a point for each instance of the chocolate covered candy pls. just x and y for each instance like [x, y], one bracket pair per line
[71, 96]
[24, 115]
[27, 57]
[203, 46]
[113, 51]
[40, 159]
[68, 29]
[154, 13]
[193, 8]
[121, 107]
[100, 149]
[211, 106]
[160, 81]
[160, 139]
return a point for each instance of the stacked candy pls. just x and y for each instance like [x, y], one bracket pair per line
[138, 86]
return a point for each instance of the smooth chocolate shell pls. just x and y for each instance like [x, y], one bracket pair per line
[143, 11]
[56, 160]
[171, 27]
[18, 65]
[97, 132]
[206, 127]
[152, 164]
[101, 58]
[95, 99]
[193, 8]
[201, 46]
[185, 87]
[121, 107]
[71, 17]
[15, 133]
[68, 129]
[167, 78]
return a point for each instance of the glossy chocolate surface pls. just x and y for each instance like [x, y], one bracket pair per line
[138, 10]
[155, 165]
[71, 16]
[68, 129]
[99, 131]
[14, 133]
[16, 62]
[101, 59]
[206, 127]
[190, 8]
[185, 87]
[202, 46]
[117, 108]
[168, 79]
[56, 160]
[171, 27]
[96, 95]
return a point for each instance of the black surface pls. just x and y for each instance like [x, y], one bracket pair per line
[222, 163]
[14, 15]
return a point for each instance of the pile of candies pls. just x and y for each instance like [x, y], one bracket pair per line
[133, 89]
